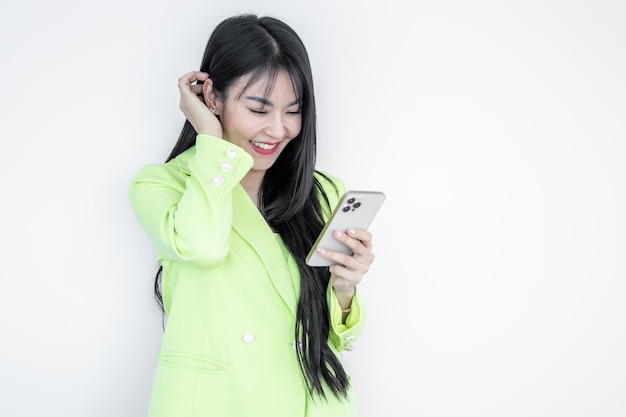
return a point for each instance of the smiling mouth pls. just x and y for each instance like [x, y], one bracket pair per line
[264, 148]
[263, 145]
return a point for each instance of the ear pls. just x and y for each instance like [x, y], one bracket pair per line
[210, 97]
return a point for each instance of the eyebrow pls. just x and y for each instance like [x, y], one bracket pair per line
[266, 102]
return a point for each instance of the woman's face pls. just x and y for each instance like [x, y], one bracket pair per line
[261, 125]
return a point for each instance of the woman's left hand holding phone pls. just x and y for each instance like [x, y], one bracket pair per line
[192, 103]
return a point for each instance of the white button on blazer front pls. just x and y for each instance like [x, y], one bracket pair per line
[248, 337]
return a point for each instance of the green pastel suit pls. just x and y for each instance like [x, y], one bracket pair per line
[230, 290]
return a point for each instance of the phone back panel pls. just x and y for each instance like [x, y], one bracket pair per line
[356, 210]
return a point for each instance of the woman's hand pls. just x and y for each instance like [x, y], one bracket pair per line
[349, 270]
[193, 105]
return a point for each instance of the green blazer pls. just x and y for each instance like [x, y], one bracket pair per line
[230, 290]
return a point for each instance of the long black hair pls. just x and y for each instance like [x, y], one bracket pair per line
[291, 197]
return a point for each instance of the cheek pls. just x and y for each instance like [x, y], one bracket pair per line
[295, 126]
[239, 123]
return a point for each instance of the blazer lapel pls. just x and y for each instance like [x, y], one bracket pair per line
[252, 227]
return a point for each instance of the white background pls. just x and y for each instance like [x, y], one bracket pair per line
[496, 129]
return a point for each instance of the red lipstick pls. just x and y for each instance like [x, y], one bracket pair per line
[264, 148]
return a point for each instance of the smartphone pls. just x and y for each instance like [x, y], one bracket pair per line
[356, 210]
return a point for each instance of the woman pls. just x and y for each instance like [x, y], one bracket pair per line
[251, 329]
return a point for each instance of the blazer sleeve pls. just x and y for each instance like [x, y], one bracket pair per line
[344, 335]
[185, 205]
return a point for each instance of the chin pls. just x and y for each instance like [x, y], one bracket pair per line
[263, 164]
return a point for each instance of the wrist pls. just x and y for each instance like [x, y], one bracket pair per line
[344, 297]
[344, 292]
[209, 131]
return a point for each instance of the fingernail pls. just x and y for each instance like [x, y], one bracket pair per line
[351, 231]
[320, 250]
[337, 233]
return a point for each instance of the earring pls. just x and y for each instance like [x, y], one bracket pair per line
[213, 110]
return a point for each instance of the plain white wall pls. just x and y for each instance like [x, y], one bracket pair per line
[496, 129]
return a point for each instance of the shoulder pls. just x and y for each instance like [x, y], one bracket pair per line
[329, 183]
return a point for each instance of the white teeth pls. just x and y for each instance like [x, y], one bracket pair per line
[264, 145]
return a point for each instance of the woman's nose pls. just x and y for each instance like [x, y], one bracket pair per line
[276, 127]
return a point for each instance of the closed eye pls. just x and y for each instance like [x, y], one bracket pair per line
[295, 112]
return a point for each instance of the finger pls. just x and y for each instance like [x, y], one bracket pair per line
[357, 247]
[196, 89]
[201, 75]
[349, 274]
[359, 264]
[191, 93]
[191, 77]
[336, 257]
[363, 235]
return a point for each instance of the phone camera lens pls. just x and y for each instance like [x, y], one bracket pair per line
[351, 200]
[357, 205]
[346, 208]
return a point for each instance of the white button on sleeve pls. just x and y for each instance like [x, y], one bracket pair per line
[231, 153]
[217, 181]
[248, 337]
[226, 167]
[350, 346]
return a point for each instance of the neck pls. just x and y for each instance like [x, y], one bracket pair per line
[252, 184]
